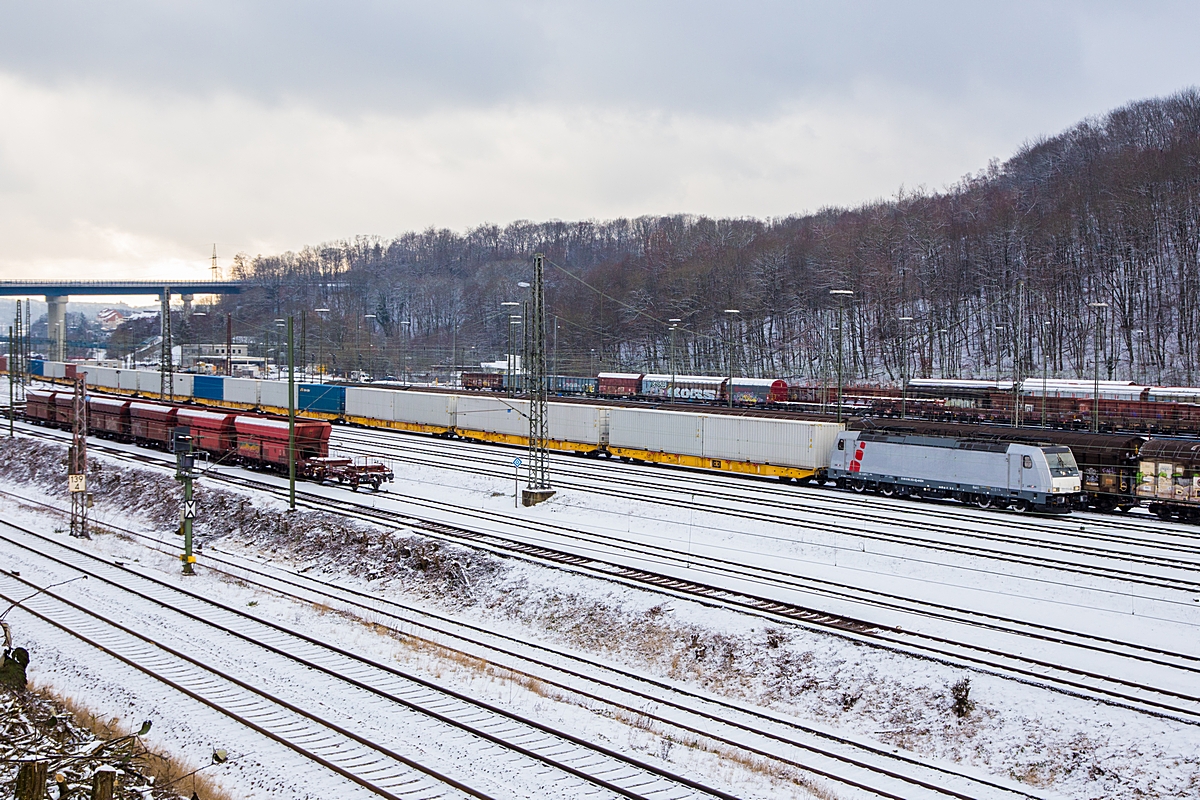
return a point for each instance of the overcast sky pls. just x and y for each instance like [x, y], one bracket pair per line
[135, 134]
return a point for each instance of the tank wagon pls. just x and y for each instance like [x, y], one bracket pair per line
[988, 474]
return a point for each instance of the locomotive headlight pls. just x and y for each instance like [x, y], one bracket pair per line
[1056, 488]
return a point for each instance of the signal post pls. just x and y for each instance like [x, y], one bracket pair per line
[185, 464]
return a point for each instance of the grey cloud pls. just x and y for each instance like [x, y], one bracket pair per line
[709, 58]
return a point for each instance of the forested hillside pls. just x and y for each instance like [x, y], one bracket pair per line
[1003, 265]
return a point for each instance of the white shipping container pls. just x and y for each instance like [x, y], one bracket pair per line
[273, 394]
[54, 369]
[370, 403]
[657, 431]
[127, 379]
[149, 380]
[780, 442]
[102, 376]
[183, 384]
[241, 390]
[493, 415]
[424, 408]
[574, 422]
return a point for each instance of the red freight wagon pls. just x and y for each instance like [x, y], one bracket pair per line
[759, 391]
[70, 371]
[211, 430]
[152, 423]
[39, 407]
[619, 384]
[109, 417]
[483, 380]
[64, 409]
[264, 441]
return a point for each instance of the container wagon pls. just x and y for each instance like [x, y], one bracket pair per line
[1170, 478]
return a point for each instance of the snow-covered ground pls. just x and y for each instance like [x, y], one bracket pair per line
[1062, 745]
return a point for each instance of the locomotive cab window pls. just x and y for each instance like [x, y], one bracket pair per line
[1061, 461]
[1027, 462]
[841, 444]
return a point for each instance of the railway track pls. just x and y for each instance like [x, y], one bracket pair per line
[1058, 659]
[1061, 537]
[263, 658]
[853, 763]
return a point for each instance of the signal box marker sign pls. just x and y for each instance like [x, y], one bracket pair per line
[189, 509]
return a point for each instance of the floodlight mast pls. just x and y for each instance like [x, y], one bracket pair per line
[840, 294]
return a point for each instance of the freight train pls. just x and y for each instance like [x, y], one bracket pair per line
[255, 441]
[787, 448]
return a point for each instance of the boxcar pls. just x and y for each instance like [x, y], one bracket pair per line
[152, 424]
[211, 431]
[759, 391]
[39, 407]
[493, 381]
[109, 417]
[263, 441]
[572, 384]
[619, 384]
[1170, 477]
[683, 387]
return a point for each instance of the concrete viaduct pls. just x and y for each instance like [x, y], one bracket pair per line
[58, 292]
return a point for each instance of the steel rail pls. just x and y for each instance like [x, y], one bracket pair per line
[951, 652]
[686, 704]
[441, 717]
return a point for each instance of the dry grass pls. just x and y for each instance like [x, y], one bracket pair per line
[170, 774]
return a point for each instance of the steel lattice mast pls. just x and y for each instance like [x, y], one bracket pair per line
[77, 463]
[166, 372]
[538, 485]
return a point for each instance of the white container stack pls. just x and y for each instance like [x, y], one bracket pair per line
[493, 415]
[575, 422]
[369, 403]
[241, 390]
[423, 408]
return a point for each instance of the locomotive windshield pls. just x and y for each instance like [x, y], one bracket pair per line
[1061, 461]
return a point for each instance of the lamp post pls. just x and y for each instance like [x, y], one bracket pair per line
[370, 345]
[674, 322]
[406, 325]
[840, 294]
[1138, 367]
[1045, 361]
[904, 366]
[321, 312]
[1097, 338]
[999, 358]
[513, 370]
[942, 338]
[732, 312]
[508, 354]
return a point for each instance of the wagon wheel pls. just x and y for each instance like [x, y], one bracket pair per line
[984, 501]
[858, 486]
[1022, 506]
[887, 490]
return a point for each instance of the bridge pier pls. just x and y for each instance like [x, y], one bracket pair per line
[56, 322]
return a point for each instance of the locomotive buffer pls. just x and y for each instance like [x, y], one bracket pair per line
[185, 465]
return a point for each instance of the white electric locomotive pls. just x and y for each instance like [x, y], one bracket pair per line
[989, 474]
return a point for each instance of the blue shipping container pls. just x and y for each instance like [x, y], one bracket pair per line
[321, 398]
[35, 367]
[208, 387]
